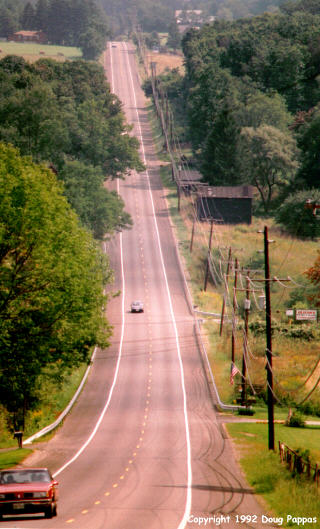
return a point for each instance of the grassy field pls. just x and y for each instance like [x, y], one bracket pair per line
[284, 494]
[164, 60]
[32, 51]
[55, 398]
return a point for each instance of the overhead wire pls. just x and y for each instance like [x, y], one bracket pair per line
[216, 271]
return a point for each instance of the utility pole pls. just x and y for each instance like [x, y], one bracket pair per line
[234, 306]
[208, 257]
[192, 233]
[269, 341]
[267, 281]
[245, 340]
[224, 297]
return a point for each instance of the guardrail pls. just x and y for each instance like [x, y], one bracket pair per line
[296, 463]
[50, 427]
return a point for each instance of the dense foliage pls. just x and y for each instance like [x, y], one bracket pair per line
[152, 15]
[52, 277]
[313, 275]
[295, 218]
[252, 96]
[79, 23]
[65, 115]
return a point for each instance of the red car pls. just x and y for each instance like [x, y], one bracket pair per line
[28, 491]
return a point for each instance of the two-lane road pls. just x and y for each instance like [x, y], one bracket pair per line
[142, 448]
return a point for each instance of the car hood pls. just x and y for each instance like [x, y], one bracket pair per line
[25, 487]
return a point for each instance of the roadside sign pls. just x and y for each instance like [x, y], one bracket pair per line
[306, 314]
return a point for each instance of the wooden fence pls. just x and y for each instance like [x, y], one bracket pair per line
[296, 463]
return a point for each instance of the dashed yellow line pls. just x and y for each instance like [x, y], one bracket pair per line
[130, 462]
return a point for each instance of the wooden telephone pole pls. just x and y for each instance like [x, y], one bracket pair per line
[208, 257]
[245, 341]
[267, 280]
[226, 284]
[234, 306]
[269, 342]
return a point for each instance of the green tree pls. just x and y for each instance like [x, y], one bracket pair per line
[41, 15]
[295, 218]
[28, 17]
[9, 22]
[220, 164]
[99, 209]
[52, 277]
[174, 37]
[268, 159]
[78, 23]
[64, 113]
[263, 109]
[92, 43]
[313, 275]
[309, 143]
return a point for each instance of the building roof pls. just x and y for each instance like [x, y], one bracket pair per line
[25, 33]
[226, 192]
[189, 175]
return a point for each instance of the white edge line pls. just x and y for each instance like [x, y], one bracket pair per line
[186, 515]
[56, 423]
[94, 431]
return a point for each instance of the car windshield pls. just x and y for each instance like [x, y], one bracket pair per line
[24, 476]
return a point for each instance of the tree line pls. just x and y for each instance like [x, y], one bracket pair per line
[62, 135]
[251, 98]
[80, 23]
[151, 15]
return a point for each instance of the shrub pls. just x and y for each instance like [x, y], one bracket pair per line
[295, 218]
[295, 421]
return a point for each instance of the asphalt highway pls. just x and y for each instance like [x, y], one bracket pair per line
[143, 447]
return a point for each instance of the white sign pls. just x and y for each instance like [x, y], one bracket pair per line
[306, 314]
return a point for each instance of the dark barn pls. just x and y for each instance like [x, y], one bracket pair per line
[228, 205]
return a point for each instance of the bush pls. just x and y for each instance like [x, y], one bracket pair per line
[296, 219]
[295, 421]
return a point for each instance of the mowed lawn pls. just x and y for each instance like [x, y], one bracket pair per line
[32, 51]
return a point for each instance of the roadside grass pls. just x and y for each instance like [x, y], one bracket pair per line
[283, 493]
[32, 51]
[13, 458]
[55, 396]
